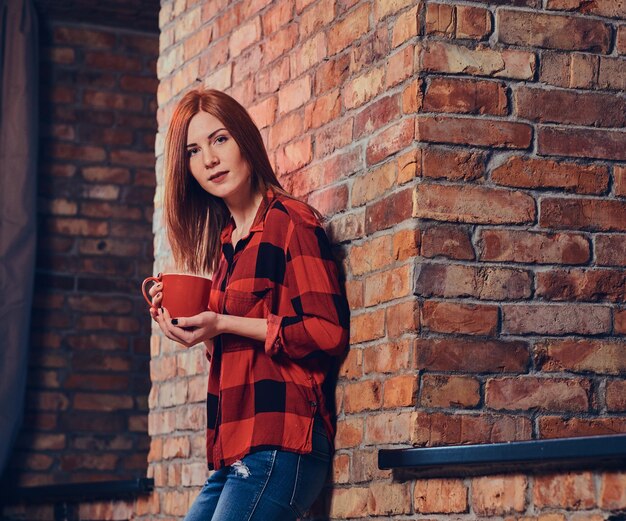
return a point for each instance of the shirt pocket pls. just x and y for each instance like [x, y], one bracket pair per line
[246, 304]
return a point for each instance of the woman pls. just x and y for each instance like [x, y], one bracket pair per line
[277, 315]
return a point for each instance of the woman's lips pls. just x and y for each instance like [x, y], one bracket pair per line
[219, 176]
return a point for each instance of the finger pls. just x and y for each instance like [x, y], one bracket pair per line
[155, 289]
[156, 300]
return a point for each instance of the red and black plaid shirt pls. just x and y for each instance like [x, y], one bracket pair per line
[264, 395]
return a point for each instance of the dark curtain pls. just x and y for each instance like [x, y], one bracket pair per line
[18, 170]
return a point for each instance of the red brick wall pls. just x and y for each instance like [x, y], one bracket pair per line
[86, 403]
[470, 161]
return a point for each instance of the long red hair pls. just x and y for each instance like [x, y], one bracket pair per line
[194, 218]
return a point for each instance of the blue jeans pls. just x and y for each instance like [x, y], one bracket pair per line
[270, 485]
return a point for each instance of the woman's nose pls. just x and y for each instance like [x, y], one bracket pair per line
[209, 157]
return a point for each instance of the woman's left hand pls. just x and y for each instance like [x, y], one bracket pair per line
[188, 331]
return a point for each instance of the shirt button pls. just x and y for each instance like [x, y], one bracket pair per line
[313, 403]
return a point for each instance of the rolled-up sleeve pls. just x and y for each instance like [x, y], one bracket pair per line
[313, 314]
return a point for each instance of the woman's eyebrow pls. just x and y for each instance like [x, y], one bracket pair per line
[210, 136]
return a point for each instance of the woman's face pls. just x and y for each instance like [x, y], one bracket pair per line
[215, 160]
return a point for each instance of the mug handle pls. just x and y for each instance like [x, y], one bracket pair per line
[143, 288]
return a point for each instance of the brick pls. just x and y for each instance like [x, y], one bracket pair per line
[384, 8]
[445, 496]
[590, 285]
[347, 227]
[88, 38]
[466, 96]
[558, 427]
[349, 432]
[544, 394]
[602, 356]
[470, 355]
[112, 62]
[552, 31]
[449, 391]
[373, 184]
[409, 165]
[402, 318]
[406, 244]
[404, 27]
[387, 499]
[308, 54]
[572, 108]
[365, 466]
[619, 321]
[619, 180]
[389, 141]
[362, 396]
[601, 8]
[333, 136]
[388, 211]
[399, 67]
[376, 115]
[78, 227]
[616, 395]
[341, 468]
[621, 39]
[294, 155]
[331, 200]
[352, 365]
[440, 20]
[388, 285]
[369, 256]
[132, 158]
[613, 490]
[367, 326]
[532, 247]
[447, 241]
[264, 112]
[387, 427]
[331, 74]
[452, 317]
[525, 172]
[412, 97]
[437, 56]
[74, 152]
[285, 130]
[454, 165]
[588, 143]
[611, 74]
[387, 357]
[473, 22]
[582, 319]
[294, 95]
[349, 502]
[491, 283]
[102, 402]
[322, 110]
[277, 16]
[345, 32]
[318, 16]
[362, 89]
[400, 391]
[574, 491]
[473, 131]
[582, 214]
[498, 495]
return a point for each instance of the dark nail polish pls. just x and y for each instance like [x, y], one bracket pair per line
[175, 321]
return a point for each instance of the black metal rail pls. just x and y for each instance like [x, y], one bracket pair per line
[591, 451]
[66, 497]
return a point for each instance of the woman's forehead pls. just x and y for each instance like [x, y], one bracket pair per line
[202, 124]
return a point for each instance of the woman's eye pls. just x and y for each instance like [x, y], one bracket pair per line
[192, 152]
[221, 139]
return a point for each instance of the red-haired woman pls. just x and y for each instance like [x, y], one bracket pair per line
[277, 314]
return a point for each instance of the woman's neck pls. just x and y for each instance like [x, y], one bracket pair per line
[244, 209]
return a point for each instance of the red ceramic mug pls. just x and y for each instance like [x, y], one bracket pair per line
[183, 295]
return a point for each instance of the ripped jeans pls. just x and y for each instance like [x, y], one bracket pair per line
[270, 485]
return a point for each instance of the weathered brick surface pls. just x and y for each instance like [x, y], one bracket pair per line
[87, 396]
